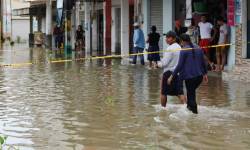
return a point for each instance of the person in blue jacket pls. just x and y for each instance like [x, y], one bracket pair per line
[139, 43]
[192, 69]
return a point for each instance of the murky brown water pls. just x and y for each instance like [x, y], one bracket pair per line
[93, 106]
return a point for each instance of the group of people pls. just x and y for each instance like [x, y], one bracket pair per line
[58, 33]
[182, 65]
[204, 34]
[179, 65]
[189, 65]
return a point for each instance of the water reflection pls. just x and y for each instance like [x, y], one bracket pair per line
[104, 105]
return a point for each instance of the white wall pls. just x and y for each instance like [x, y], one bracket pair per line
[21, 28]
[43, 30]
[168, 16]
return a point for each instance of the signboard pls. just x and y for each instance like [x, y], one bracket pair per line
[238, 11]
[231, 12]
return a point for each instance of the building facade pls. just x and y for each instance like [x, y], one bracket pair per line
[241, 71]
[108, 24]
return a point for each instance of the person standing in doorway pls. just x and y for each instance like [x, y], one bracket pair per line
[79, 38]
[192, 69]
[56, 33]
[139, 43]
[169, 63]
[205, 29]
[153, 49]
[193, 32]
[223, 39]
[179, 29]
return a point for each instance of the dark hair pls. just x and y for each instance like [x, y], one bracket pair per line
[170, 34]
[81, 28]
[153, 28]
[186, 38]
[204, 15]
[220, 19]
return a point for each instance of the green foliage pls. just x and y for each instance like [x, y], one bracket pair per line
[2, 141]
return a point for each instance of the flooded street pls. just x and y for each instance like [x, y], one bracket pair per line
[92, 106]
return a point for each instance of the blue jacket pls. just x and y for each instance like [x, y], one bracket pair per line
[191, 64]
[138, 39]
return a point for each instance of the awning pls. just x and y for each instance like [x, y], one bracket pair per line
[21, 12]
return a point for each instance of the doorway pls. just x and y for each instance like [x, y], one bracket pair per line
[118, 31]
[100, 32]
[248, 29]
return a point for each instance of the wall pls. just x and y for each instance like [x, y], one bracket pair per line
[168, 17]
[43, 26]
[20, 27]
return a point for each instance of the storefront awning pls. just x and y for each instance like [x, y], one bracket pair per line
[21, 12]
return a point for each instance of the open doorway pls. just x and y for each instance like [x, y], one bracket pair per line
[248, 29]
[212, 9]
[118, 33]
[131, 22]
[100, 32]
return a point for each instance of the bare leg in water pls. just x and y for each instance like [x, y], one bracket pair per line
[182, 98]
[150, 64]
[209, 62]
[163, 100]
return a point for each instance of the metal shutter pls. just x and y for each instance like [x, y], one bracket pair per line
[156, 17]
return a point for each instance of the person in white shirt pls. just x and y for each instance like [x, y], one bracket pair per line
[169, 63]
[205, 29]
[221, 50]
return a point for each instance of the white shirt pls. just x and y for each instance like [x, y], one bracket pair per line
[205, 30]
[170, 59]
[223, 34]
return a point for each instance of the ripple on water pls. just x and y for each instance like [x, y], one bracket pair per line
[62, 106]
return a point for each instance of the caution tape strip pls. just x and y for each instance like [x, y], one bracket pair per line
[109, 56]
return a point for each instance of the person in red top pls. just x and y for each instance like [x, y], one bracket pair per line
[206, 38]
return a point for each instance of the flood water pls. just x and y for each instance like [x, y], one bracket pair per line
[93, 106]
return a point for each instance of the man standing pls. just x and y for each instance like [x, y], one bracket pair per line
[169, 63]
[139, 43]
[56, 33]
[223, 39]
[205, 37]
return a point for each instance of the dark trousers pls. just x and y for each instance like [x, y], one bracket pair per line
[136, 51]
[191, 86]
[57, 41]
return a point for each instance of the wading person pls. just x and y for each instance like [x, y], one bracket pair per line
[153, 41]
[139, 43]
[223, 39]
[169, 63]
[192, 69]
